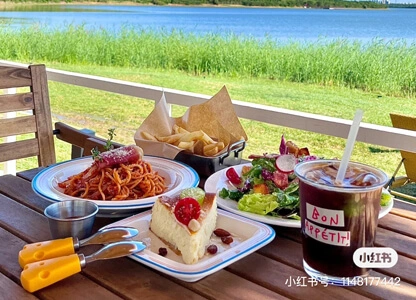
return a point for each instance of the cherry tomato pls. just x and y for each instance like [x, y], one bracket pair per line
[187, 209]
[233, 176]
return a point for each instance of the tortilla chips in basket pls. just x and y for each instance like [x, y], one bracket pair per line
[207, 130]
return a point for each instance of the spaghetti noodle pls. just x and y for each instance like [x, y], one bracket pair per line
[123, 181]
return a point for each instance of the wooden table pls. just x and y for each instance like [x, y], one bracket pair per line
[273, 272]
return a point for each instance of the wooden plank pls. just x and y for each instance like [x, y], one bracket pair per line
[81, 139]
[219, 286]
[403, 244]
[16, 102]
[29, 225]
[77, 286]
[17, 126]
[404, 209]
[398, 224]
[9, 255]
[130, 278]
[409, 158]
[290, 233]
[284, 250]
[14, 77]
[404, 269]
[29, 174]
[380, 286]
[290, 253]
[43, 115]
[71, 135]
[405, 205]
[215, 286]
[21, 190]
[280, 277]
[19, 149]
[11, 290]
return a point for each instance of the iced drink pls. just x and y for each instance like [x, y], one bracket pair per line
[337, 218]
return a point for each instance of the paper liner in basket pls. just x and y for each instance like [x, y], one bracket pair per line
[216, 117]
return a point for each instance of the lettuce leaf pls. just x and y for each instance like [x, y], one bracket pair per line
[258, 203]
[385, 197]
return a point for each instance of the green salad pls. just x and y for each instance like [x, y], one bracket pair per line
[269, 186]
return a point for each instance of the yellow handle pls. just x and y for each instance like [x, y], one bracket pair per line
[45, 250]
[38, 275]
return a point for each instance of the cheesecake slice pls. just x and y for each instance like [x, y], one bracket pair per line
[173, 222]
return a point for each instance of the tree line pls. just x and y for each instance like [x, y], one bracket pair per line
[324, 4]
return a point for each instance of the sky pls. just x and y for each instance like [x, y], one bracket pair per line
[402, 1]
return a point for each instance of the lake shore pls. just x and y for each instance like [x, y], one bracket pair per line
[130, 3]
[384, 67]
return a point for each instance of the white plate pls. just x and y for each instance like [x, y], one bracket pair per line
[248, 236]
[219, 180]
[386, 209]
[177, 177]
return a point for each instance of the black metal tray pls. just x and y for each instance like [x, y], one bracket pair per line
[205, 166]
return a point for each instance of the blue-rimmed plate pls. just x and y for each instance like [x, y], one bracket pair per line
[248, 236]
[177, 177]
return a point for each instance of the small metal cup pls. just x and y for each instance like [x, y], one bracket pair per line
[72, 218]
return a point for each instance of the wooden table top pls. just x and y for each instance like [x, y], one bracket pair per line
[273, 272]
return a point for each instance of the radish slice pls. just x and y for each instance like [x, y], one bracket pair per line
[286, 163]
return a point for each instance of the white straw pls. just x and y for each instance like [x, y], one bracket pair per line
[352, 135]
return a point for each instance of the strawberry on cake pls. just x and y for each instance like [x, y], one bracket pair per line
[185, 224]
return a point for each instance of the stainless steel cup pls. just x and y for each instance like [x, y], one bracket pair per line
[71, 218]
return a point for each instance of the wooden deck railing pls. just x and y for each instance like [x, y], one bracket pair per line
[368, 133]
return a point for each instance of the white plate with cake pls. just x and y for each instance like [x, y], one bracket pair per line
[247, 235]
[176, 176]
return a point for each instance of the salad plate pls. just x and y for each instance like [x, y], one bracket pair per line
[217, 181]
[248, 235]
[177, 177]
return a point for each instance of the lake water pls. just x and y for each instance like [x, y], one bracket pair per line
[279, 24]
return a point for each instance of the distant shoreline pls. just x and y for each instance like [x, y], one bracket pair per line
[130, 3]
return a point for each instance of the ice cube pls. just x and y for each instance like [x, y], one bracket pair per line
[364, 179]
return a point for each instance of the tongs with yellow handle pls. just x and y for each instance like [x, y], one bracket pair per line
[38, 275]
[61, 247]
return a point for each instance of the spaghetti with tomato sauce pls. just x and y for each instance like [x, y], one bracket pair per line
[119, 174]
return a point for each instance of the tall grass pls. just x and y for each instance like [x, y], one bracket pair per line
[387, 67]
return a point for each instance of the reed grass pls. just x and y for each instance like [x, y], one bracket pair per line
[386, 67]
[332, 78]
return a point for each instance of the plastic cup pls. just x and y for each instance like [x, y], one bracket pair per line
[337, 220]
[71, 218]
